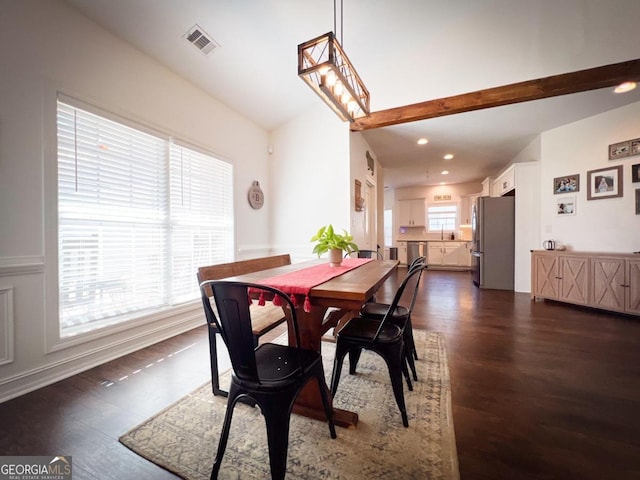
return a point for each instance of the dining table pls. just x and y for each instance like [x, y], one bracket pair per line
[320, 309]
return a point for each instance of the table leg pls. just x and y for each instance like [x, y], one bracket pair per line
[309, 401]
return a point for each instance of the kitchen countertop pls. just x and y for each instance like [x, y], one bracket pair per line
[432, 240]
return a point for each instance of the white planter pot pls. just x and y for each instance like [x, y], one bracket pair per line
[335, 257]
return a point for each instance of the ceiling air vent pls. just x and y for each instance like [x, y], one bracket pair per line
[201, 40]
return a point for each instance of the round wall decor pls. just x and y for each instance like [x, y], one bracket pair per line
[256, 197]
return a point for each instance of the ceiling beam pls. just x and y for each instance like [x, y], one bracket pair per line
[580, 81]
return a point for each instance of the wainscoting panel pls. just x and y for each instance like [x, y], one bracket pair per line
[6, 325]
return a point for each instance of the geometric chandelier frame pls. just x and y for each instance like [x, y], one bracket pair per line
[324, 66]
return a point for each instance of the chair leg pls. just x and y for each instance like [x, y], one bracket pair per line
[412, 364]
[337, 367]
[277, 420]
[278, 439]
[213, 354]
[224, 435]
[354, 356]
[405, 370]
[395, 363]
[324, 394]
[411, 342]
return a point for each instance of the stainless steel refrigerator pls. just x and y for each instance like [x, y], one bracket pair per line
[493, 233]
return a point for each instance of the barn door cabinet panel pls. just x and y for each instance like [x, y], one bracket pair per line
[561, 277]
[608, 283]
[598, 280]
[616, 284]
[632, 304]
[574, 279]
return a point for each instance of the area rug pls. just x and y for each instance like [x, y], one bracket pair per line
[183, 438]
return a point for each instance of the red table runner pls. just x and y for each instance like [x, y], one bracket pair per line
[302, 281]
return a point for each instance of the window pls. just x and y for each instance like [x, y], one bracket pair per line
[388, 227]
[137, 214]
[442, 217]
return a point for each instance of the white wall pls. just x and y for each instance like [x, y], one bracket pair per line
[46, 47]
[310, 180]
[603, 225]
[360, 171]
[527, 220]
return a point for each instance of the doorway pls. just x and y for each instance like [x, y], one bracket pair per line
[370, 223]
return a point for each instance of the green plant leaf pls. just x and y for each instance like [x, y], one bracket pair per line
[327, 238]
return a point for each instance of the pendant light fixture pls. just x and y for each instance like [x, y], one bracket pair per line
[324, 66]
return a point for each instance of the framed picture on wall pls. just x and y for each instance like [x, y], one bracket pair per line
[637, 201]
[635, 173]
[635, 147]
[604, 183]
[566, 205]
[619, 150]
[566, 184]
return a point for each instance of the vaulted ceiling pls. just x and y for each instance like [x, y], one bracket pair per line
[406, 51]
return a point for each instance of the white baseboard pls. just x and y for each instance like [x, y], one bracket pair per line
[29, 381]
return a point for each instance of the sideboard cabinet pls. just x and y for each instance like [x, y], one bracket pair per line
[609, 281]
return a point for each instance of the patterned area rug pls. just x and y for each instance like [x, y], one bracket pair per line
[183, 438]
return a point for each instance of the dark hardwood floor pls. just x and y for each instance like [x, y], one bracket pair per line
[540, 390]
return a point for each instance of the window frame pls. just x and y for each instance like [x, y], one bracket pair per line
[455, 217]
[153, 322]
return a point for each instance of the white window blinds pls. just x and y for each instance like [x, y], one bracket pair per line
[136, 216]
[201, 216]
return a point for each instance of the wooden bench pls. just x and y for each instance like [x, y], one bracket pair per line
[263, 318]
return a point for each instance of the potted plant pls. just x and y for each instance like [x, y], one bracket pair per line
[328, 240]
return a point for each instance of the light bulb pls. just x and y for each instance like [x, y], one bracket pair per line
[331, 78]
[337, 89]
[625, 87]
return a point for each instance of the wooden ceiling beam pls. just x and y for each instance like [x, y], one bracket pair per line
[575, 82]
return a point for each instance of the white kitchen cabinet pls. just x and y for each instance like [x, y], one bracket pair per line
[465, 255]
[505, 182]
[402, 253]
[411, 213]
[448, 254]
[486, 187]
[467, 208]
[434, 253]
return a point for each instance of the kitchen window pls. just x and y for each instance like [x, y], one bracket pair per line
[442, 217]
[137, 214]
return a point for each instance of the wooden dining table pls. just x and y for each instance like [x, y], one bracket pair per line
[344, 295]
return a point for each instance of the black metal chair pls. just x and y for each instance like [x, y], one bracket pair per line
[272, 375]
[382, 336]
[263, 319]
[401, 316]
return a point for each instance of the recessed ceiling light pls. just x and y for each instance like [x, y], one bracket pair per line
[445, 172]
[448, 156]
[423, 141]
[442, 183]
[625, 87]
